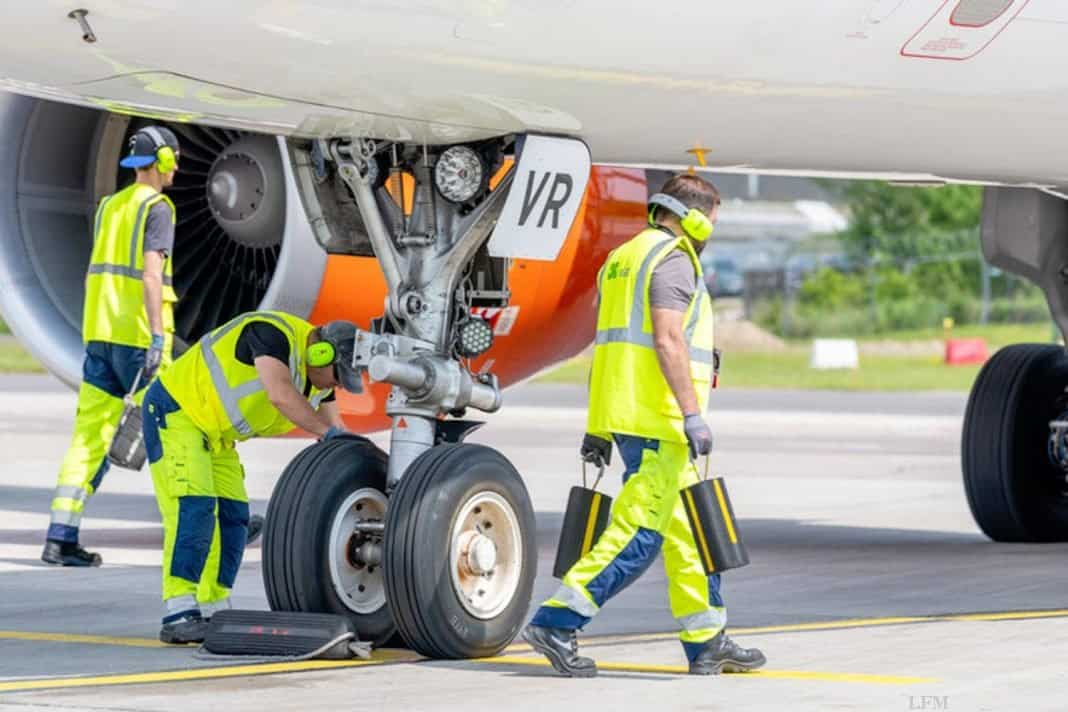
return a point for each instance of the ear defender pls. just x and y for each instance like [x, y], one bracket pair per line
[694, 223]
[166, 161]
[697, 225]
[321, 353]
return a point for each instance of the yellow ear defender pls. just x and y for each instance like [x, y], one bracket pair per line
[695, 223]
[321, 353]
[166, 161]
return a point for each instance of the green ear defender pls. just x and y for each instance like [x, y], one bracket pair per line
[695, 223]
[166, 160]
[321, 353]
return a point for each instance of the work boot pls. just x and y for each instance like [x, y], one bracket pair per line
[255, 528]
[187, 629]
[721, 654]
[68, 553]
[561, 647]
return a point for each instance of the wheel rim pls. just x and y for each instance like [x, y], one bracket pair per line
[358, 584]
[485, 555]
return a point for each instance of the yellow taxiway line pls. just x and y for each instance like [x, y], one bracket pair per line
[682, 670]
[87, 639]
[382, 657]
[603, 640]
[396, 656]
[379, 657]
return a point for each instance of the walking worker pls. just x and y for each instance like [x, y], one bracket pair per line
[649, 385]
[260, 374]
[127, 326]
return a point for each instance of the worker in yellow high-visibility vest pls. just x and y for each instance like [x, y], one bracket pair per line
[127, 326]
[649, 386]
[261, 374]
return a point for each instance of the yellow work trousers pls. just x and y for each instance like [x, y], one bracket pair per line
[647, 517]
[204, 506]
[108, 374]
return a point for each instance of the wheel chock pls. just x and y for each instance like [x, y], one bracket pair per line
[283, 634]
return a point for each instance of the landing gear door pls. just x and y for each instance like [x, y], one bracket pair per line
[544, 199]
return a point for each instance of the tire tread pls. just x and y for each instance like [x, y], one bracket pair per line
[988, 447]
[287, 525]
[410, 504]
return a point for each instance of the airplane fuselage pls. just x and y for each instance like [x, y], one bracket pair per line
[964, 90]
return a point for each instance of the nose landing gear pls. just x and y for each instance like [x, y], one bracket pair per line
[437, 540]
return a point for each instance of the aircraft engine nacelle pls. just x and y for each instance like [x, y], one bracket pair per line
[244, 241]
[239, 243]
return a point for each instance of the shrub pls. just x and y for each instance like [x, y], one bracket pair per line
[830, 289]
[1030, 310]
[831, 303]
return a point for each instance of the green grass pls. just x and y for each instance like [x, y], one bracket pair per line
[789, 369]
[15, 359]
[996, 335]
[784, 369]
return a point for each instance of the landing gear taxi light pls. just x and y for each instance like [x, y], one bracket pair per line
[475, 337]
[459, 174]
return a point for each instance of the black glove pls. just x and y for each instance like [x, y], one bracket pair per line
[153, 358]
[596, 450]
[698, 435]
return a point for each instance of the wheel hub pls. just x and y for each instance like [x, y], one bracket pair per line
[486, 555]
[364, 551]
[354, 557]
[478, 553]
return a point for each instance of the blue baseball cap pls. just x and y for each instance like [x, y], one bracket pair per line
[145, 143]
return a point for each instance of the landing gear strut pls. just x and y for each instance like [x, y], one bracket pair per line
[444, 544]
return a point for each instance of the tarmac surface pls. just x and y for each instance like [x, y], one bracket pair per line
[870, 586]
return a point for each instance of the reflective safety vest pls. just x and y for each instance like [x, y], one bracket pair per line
[114, 293]
[628, 392]
[224, 397]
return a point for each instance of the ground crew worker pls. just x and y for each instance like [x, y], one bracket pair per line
[260, 374]
[127, 326]
[649, 387]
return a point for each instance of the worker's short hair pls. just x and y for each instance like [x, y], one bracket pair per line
[692, 190]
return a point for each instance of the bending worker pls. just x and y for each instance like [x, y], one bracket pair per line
[260, 374]
[649, 387]
[127, 325]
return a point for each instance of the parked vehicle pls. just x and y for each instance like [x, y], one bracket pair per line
[723, 277]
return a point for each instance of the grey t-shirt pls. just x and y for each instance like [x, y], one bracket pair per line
[673, 282]
[159, 229]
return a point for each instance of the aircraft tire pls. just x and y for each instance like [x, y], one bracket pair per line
[310, 559]
[460, 552]
[1015, 493]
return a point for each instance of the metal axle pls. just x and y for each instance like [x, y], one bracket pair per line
[370, 526]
